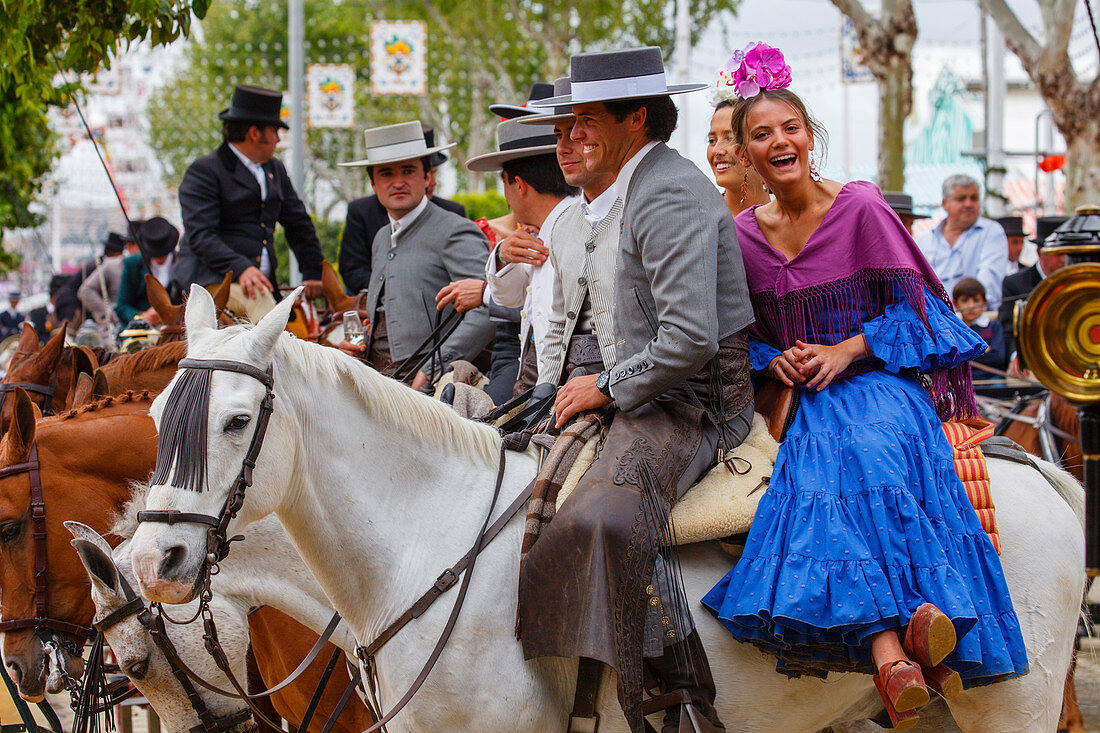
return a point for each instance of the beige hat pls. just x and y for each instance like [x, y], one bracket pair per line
[395, 143]
[516, 141]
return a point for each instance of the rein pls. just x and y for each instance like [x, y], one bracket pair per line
[41, 621]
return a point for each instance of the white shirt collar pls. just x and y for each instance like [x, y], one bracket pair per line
[552, 217]
[981, 321]
[598, 208]
[622, 182]
[255, 168]
[1039, 269]
[396, 225]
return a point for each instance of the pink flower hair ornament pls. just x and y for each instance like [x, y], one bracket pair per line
[758, 67]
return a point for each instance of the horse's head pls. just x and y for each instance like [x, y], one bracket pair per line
[24, 654]
[135, 649]
[31, 365]
[206, 419]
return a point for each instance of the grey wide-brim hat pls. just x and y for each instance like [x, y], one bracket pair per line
[395, 143]
[515, 140]
[539, 90]
[607, 76]
[563, 113]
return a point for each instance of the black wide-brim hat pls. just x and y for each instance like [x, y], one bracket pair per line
[158, 237]
[438, 158]
[902, 204]
[563, 113]
[607, 76]
[539, 90]
[1013, 226]
[256, 105]
[1045, 226]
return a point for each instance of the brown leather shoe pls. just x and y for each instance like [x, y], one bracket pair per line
[929, 637]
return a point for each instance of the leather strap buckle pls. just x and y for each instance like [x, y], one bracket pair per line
[581, 724]
[445, 580]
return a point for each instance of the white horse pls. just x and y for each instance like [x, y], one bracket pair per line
[262, 570]
[381, 489]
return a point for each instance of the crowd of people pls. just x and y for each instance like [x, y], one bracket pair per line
[659, 299]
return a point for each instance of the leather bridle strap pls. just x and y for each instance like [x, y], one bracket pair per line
[46, 390]
[41, 619]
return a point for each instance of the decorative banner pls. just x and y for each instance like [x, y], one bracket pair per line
[399, 57]
[852, 70]
[331, 95]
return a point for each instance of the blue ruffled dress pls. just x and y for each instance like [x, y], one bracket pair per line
[865, 519]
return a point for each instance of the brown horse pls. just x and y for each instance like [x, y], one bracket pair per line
[88, 458]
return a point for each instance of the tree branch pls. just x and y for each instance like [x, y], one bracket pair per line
[1022, 43]
[861, 19]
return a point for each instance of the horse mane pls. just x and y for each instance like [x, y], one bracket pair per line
[423, 419]
[157, 357]
[125, 522]
[104, 402]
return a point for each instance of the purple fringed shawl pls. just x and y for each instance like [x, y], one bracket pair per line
[858, 261]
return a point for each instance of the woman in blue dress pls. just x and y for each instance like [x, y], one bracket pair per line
[865, 553]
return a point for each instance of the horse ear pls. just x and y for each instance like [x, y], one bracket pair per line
[338, 301]
[81, 391]
[100, 388]
[221, 294]
[84, 362]
[101, 568]
[28, 339]
[84, 532]
[20, 433]
[50, 354]
[201, 314]
[159, 300]
[262, 337]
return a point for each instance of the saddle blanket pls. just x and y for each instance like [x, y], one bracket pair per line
[723, 502]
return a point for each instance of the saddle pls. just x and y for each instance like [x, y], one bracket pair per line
[778, 404]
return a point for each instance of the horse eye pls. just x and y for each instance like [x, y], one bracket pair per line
[138, 669]
[10, 530]
[238, 423]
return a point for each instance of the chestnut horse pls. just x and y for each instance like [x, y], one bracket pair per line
[88, 458]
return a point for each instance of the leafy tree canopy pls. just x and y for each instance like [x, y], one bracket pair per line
[39, 38]
[480, 51]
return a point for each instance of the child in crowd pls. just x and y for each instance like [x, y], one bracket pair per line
[970, 303]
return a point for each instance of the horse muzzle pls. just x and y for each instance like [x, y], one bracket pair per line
[168, 576]
[27, 664]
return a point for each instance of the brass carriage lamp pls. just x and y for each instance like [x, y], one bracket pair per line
[1059, 341]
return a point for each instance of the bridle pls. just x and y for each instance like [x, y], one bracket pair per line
[46, 390]
[154, 624]
[41, 621]
[217, 544]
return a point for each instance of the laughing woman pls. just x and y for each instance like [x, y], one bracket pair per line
[865, 553]
[741, 186]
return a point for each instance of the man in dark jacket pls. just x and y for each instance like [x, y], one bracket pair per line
[231, 201]
[1019, 285]
[158, 241]
[367, 215]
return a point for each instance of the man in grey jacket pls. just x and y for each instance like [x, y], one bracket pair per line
[422, 249]
[679, 394]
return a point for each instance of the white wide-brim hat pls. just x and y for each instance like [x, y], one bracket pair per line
[607, 76]
[516, 140]
[395, 143]
[563, 113]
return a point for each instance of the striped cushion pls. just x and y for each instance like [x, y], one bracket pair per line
[964, 438]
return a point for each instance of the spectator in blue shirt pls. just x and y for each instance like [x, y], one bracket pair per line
[966, 244]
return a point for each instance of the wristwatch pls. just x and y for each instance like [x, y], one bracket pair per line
[603, 383]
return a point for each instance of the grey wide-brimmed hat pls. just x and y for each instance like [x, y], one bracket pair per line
[395, 143]
[516, 141]
[606, 76]
[539, 90]
[564, 113]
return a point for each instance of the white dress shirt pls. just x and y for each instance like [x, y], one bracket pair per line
[260, 175]
[598, 208]
[518, 285]
[981, 252]
[399, 225]
[622, 181]
[163, 272]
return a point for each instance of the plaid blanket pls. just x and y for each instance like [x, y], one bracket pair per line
[553, 472]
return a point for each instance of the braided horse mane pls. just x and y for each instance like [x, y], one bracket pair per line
[105, 402]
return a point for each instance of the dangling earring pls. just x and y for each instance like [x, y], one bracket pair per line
[744, 188]
[814, 175]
